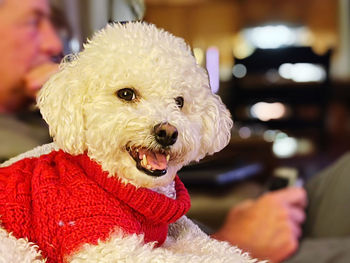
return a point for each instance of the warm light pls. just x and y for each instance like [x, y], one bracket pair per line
[268, 111]
[302, 72]
[244, 132]
[239, 71]
[212, 58]
[74, 45]
[285, 147]
[241, 47]
[199, 55]
[269, 135]
[271, 36]
[285, 70]
[276, 36]
[281, 135]
[225, 72]
[305, 146]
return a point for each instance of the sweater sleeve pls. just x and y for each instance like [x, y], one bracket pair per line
[15, 198]
[325, 250]
[329, 196]
[327, 228]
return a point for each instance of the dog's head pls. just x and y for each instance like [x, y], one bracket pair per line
[138, 103]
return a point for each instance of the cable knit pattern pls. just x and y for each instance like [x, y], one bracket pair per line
[60, 202]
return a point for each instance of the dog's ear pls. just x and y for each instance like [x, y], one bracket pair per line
[217, 124]
[61, 105]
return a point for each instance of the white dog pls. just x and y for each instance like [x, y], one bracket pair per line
[125, 114]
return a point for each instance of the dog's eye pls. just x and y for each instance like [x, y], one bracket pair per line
[179, 102]
[126, 94]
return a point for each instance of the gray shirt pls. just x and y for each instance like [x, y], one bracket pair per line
[20, 133]
[327, 227]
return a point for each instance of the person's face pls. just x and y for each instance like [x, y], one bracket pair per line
[27, 40]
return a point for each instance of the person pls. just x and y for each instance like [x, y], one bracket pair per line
[268, 227]
[326, 232]
[28, 43]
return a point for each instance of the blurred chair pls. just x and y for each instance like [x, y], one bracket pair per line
[285, 88]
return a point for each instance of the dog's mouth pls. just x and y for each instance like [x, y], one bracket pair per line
[153, 163]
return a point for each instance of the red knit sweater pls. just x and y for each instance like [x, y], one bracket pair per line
[60, 202]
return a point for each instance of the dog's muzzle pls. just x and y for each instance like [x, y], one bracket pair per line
[154, 162]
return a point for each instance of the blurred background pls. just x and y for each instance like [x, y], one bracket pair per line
[281, 67]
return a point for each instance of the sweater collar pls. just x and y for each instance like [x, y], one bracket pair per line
[154, 206]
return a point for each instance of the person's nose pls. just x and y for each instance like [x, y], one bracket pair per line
[51, 44]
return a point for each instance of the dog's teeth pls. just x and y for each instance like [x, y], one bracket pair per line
[149, 167]
[144, 160]
[168, 157]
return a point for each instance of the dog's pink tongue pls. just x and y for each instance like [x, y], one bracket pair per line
[156, 160]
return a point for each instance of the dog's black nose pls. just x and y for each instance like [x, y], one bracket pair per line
[165, 133]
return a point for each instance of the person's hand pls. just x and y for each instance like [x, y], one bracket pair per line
[269, 227]
[36, 78]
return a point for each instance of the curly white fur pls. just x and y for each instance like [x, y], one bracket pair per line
[185, 243]
[18, 250]
[84, 114]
